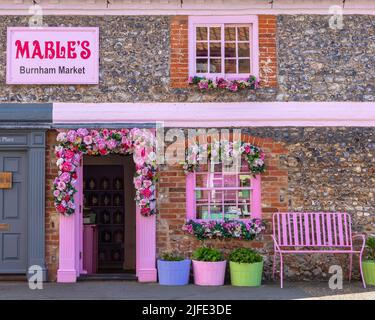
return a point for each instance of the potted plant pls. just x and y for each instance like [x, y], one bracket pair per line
[246, 267]
[173, 270]
[368, 266]
[209, 267]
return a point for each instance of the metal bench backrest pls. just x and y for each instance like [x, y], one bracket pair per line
[312, 229]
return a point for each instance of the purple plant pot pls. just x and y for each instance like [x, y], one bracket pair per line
[174, 273]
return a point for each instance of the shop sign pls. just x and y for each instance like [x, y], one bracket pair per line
[52, 55]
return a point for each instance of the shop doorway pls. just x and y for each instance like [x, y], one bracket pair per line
[109, 215]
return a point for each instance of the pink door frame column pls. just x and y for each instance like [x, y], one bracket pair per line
[71, 243]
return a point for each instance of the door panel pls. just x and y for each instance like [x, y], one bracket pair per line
[13, 214]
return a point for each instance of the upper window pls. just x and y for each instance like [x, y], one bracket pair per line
[223, 47]
[219, 193]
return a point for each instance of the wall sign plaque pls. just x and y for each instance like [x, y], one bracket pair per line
[5, 180]
[4, 226]
[53, 55]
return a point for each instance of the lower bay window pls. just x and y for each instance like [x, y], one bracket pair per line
[218, 193]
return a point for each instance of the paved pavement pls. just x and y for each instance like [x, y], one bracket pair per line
[104, 290]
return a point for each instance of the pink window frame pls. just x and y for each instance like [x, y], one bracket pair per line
[255, 202]
[195, 21]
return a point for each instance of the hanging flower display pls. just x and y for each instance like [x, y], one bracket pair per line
[220, 83]
[224, 229]
[225, 152]
[73, 144]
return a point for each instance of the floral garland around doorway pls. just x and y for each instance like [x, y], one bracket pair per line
[73, 144]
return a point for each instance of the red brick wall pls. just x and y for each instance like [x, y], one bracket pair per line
[179, 63]
[267, 51]
[179, 60]
[171, 203]
[52, 217]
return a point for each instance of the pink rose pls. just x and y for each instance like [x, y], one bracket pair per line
[87, 140]
[66, 167]
[247, 149]
[147, 183]
[69, 154]
[145, 211]
[147, 193]
[61, 186]
[82, 132]
[137, 183]
[56, 193]
[65, 177]
[60, 208]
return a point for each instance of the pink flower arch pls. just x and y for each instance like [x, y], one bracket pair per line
[73, 144]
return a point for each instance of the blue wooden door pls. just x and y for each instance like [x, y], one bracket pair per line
[13, 214]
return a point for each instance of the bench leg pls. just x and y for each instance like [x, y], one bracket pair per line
[281, 271]
[350, 266]
[360, 268]
[274, 266]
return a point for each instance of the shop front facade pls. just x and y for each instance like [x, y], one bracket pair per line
[311, 115]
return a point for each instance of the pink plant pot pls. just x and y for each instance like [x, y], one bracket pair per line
[209, 273]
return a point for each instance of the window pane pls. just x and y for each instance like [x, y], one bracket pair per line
[215, 33]
[201, 33]
[245, 180]
[230, 66]
[202, 49]
[202, 212]
[230, 180]
[243, 50]
[232, 212]
[230, 33]
[202, 66]
[215, 66]
[215, 49]
[244, 66]
[230, 50]
[243, 33]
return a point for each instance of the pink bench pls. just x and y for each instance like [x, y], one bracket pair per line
[314, 232]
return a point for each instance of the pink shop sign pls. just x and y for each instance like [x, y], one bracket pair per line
[52, 55]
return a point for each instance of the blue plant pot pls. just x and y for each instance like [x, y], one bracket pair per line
[174, 273]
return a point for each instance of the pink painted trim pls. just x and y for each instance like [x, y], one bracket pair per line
[220, 21]
[189, 8]
[71, 230]
[235, 114]
[256, 203]
[70, 239]
[146, 248]
[190, 196]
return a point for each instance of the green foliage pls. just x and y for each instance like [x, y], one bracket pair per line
[245, 255]
[370, 245]
[170, 256]
[208, 254]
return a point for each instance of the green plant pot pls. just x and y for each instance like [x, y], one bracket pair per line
[246, 274]
[368, 268]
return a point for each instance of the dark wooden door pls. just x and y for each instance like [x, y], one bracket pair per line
[13, 214]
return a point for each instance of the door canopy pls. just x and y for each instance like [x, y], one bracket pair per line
[73, 144]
